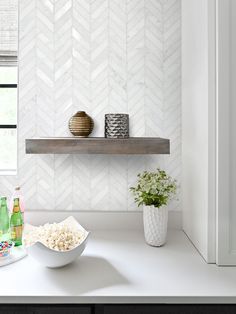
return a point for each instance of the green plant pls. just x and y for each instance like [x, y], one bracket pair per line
[154, 188]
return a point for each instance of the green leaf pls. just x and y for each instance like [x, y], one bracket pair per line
[154, 188]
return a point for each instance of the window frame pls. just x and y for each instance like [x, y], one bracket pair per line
[9, 58]
[10, 126]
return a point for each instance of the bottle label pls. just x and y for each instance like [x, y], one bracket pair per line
[16, 232]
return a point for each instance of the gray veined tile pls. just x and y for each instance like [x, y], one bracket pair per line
[100, 58]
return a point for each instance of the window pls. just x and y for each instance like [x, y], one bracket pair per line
[8, 86]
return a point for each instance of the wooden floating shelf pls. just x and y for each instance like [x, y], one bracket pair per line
[97, 145]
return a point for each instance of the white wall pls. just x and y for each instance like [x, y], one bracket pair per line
[226, 214]
[99, 56]
[198, 116]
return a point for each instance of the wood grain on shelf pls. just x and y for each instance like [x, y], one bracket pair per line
[98, 145]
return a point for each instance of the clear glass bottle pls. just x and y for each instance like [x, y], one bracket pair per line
[4, 220]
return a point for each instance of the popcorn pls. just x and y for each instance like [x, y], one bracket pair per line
[59, 237]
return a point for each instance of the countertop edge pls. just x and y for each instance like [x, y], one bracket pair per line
[119, 300]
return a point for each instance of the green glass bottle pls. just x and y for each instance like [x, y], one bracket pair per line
[16, 223]
[4, 220]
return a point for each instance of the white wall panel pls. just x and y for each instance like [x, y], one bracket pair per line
[226, 217]
[198, 124]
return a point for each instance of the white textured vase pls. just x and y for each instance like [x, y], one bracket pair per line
[155, 225]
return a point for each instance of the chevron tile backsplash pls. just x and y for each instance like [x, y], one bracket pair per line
[101, 56]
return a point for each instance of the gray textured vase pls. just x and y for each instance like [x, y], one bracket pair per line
[117, 125]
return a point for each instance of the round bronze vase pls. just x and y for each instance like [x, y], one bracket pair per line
[81, 124]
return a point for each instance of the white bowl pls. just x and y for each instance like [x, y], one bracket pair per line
[52, 258]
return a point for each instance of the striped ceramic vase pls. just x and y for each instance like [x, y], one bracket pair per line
[81, 124]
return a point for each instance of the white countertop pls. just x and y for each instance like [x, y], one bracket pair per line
[120, 268]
